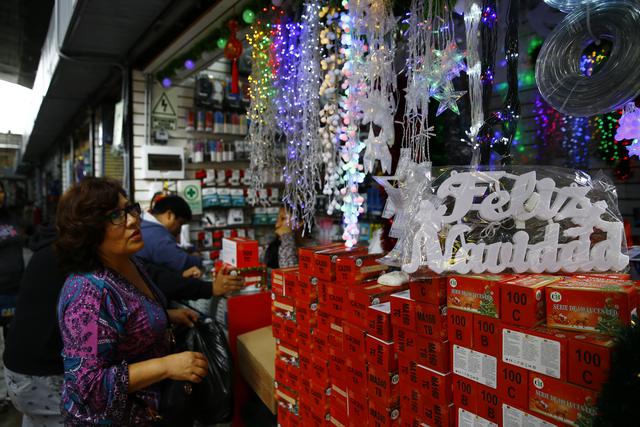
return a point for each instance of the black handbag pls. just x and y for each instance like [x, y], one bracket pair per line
[210, 401]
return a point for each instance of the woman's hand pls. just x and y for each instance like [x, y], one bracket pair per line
[183, 316]
[227, 282]
[193, 272]
[186, 366]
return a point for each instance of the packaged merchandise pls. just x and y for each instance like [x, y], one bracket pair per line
[240, 252]
[486, 334]
[428, 287]
[523, 300]
[460, 327]
[541, 350]
[306, 262]
[515, 417]
[477, 294]
[361, 297]
[403, 310]
[431, 320]
[379, 321]
[479, 367]
[513, 384]
[561, 401]
[381, 354]
[590, 360]
[590, 306]
[325, 260]
[354, 269]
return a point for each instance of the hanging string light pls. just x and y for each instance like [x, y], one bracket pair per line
[262, 113]
[352, 169]
[302, 173]
[331, 94]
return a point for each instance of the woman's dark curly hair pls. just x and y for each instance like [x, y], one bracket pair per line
[81, 222]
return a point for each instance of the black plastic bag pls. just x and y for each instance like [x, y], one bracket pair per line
[210, 401]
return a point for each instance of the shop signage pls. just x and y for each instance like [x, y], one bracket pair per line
[190, 191]
[492, 221]
[165, 103]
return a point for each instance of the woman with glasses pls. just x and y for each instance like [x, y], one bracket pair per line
[111, 316]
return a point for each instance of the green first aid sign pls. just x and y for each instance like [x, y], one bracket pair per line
[192, 193]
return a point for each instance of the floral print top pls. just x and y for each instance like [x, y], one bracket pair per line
[106, 324]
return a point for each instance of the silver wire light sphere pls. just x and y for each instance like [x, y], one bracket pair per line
[567, 6]
[561, 82]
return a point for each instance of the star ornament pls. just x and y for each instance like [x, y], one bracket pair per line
[377, 149]
[448, 98]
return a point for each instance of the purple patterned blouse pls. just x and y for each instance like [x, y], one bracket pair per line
[106, 324]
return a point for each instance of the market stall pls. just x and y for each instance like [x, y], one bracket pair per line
[492, 292]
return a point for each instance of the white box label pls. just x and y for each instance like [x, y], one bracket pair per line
[514, 417]
[474, 365]
[468, 419]
[229, 253]
[531, 352]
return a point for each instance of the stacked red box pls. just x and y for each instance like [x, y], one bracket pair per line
[325, 302]
[533, 349]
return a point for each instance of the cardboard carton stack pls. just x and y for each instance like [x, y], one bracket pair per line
[483, 350]
[532, 350]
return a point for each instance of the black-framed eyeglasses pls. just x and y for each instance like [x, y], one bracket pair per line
[119, 217]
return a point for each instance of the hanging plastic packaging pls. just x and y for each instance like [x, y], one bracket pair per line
[515, 219]
[561, 82]
[567, 5]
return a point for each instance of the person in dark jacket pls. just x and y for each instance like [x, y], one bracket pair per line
[160, 229]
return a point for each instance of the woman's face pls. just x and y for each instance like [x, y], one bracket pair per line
[125, 238]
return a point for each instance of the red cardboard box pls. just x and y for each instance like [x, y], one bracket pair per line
[541, 350]
[361, 297]
[319, 340]
[381, 416]
[406, 342]
[486, 334]
[338, 418]
[325, 260]
[460, 328]
[335, 298]
[287, 353]
[560, 401]
[513, 384]
[254, 277]
[434, 385]
[431, 320]
[280, 371]
[590, 306]
[489, 404]
[381, 354]
[408, 371]
[438, 414]
[429, 288]
[324, 321]
[319, 373]
[358, 408]
[307, 289]
[590, 360]
[338, 373]
[356, 376]
[306, 262]
[339, 399]
[468, 418]
[240, 252]
[515, 417]
[523, 300]
[287, 399]
[434, 354]
[336, 337]
[410, 405]
[306, 314]
[319, 398]
[289, 333]
[476, 366]
[354, 342]
[354, 269]
[382, 386]
[477, 294]
[403, 310]
[283, 307]
[379, 321]
[465, 393]
[305, 343]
